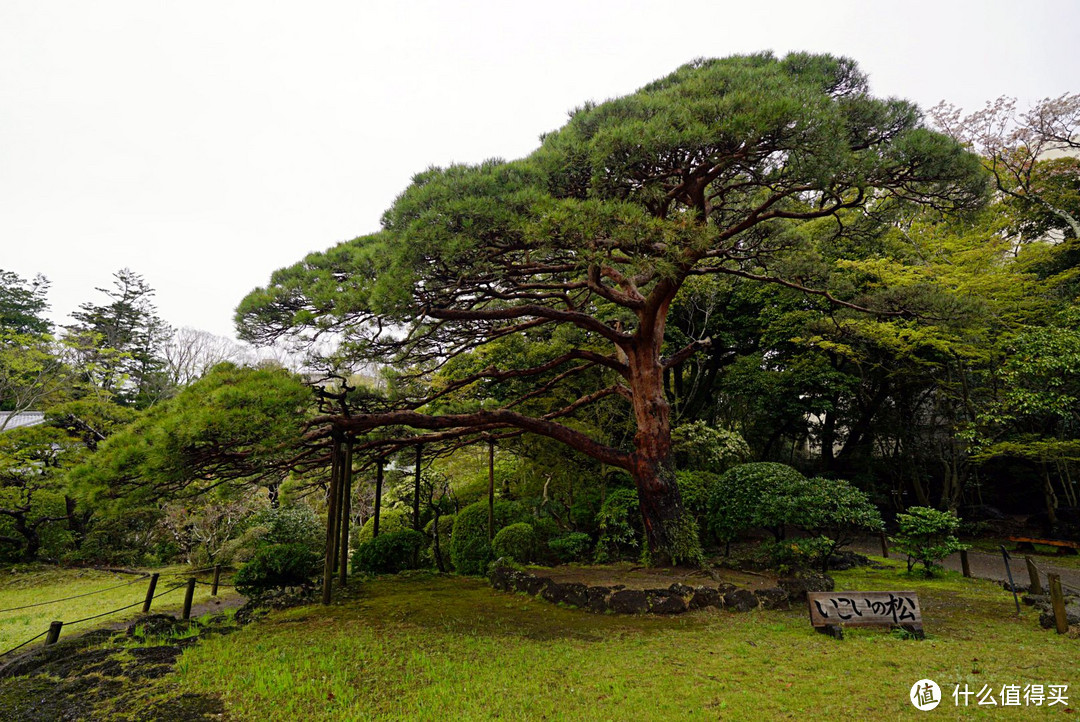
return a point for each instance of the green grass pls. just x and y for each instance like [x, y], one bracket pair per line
[24, 585]
[430, 647]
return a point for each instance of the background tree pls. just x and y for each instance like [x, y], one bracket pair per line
[711, 170]
[1032, 156]
[32, 375]
[23, 304]
[117, 345]
[189, 353]
[33, 508]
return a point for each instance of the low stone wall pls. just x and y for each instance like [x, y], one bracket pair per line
[676, 599]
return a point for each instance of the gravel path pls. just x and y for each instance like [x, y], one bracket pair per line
[992, 566]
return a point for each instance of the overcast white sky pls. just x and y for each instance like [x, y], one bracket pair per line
[205, 144]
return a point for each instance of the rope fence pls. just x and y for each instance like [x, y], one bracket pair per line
[75, 596]
[52, 634]
[1070, 589]
[120, 609]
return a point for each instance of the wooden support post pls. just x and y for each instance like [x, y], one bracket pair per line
[189, 593]
[1035, 587]
[378, 496]
[1008, 573]
[331, 527]
[1057, 599]
[491, 489]
[346, 510]
[217, 580]
[150, 593]
[335, 502]
[965, 564]
[884, 546]
[416, 489]
[54, 632]
[1033, 573]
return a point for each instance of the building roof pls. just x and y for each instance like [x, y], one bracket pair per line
[16, 419]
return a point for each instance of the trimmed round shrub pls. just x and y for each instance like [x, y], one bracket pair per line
[619, 522]
[833, 512]
[570, 547]
[389, 520]
[276, 567]
[762, 494]
[517, 542]
[390, 553]
[470, 549]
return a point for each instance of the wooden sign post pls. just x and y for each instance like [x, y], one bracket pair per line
[830, 612]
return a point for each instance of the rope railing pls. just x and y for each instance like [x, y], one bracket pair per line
[129, 606]
[1064, 586]
[74, 596]
[20, 646]
[54, 629]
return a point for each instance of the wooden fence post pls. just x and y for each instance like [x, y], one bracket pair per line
[150, 593]
[54, 633]
[416, 489]
[331, 523]
[1058, 600]
[187, 597]
[491, 489]
[217, 579]
[1036, 586]
[378, 497]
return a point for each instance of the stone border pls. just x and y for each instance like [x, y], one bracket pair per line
[676, 599]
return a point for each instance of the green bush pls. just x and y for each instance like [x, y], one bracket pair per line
[695, 486]
[619, 521]
[927, 536]
[570, 547]
[470, 549]
[833, 513]
[292, 525]
[389, 520]
[517, 542]
[390, 553]
[278, 566]
[298, 524]
[761, 494]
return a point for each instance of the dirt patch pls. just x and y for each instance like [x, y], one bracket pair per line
[630, 576]
[109, 674]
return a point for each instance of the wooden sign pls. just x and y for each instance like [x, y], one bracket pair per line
[830, 612]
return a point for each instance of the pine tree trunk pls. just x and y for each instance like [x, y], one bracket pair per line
[653, 470]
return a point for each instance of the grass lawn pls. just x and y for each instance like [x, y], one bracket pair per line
[433, 647]
[23, 585]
